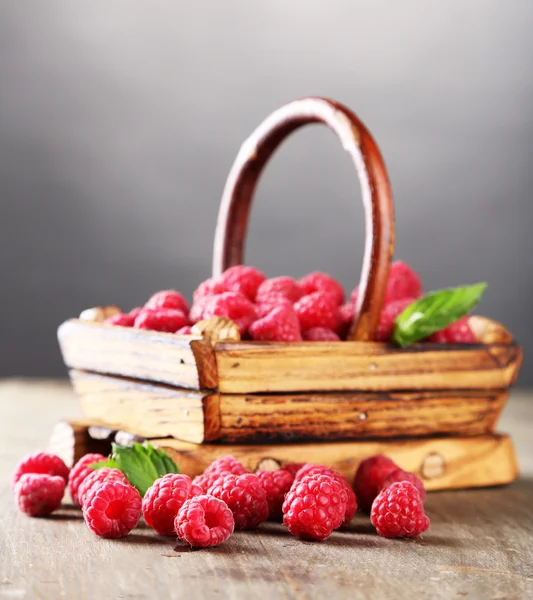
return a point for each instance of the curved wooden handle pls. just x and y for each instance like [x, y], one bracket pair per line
[377, 198]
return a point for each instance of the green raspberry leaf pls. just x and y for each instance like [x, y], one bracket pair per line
[142, 464]
[434, 312]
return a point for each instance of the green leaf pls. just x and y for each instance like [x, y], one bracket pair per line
[142, 464]
[434, 312]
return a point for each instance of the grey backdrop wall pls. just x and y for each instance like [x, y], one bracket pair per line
[119, 121]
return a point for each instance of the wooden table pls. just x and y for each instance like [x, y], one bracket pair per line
[479, 545]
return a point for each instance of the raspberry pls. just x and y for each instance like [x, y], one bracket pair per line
[197, 310]
[80, 471]
[293, 468]
[403, 283]
[314, 507]
[244, 496]
[318, 310]
[347, 312]
[276, 484]
[369, 477]
[135, 312]
[388, 316]
[320, 334]
[204, 521]
[38, 494]
[43, 463]
[245, 280]
[121, 320]
[233, 305]
[210, 287]
[401, 475]
[207, 480]
[168, 299]
[351, 501]
[398, 512]
[354, 295]
[93, 480]
[113, 510]
[226, 464]
[279, 286]
[280, 325]
[456, 333]
[322, 282]
[185, 330]
[163, 500]
[163, 319]
[270, 303]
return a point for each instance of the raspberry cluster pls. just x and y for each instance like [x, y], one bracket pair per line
[311, 500]
[283, 309]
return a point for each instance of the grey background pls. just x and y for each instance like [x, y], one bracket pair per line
[119, 122]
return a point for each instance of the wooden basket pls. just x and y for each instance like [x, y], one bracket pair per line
[213, 387]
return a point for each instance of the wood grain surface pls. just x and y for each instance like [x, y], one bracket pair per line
[479, 545]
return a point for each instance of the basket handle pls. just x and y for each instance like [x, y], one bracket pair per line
[377, 198]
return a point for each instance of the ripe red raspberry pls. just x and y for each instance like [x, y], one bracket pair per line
[245, 280]
[351, 501]
[163, 500]
[185, 330]
[280, 325]
[398, 512]
[168, 299]
[279, 286]
[204, 521]
[456, 333]
[135, 312]
[197, 310]
[314, 507]
[388, 316]
[347, 312]
[322, 282]
[354, 295]
[369, 477]
[276, 484]
[318, 310]
[401, 475]
[121, 320]
[43, 463]
[37, 494]
[270, 303]
[163, 319]
[113, 510]
[233, 305]
[245, 497]
[293, 468]
[403, 283]
[206, 480]
[226, 464]
[93, 480]
[80, 471]
[320, 334]
[209, 287]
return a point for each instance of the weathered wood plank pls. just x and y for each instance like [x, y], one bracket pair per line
[186, 361]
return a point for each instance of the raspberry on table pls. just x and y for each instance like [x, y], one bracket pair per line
[347, 312]
[244, 496]
[38, 494]
[401, 475]
[293, 468]
[135, 312]
[226, 464]
[459, 332]
[243, 279]
[322, 282]
[369, 477]
[268, 304]
[197, 309]
[398, 512]
[80, 471]
[318, 309]
[351, 500]
[204, 522]
[276, 484]
[44, 463]
[209, 287]
[113, 510]
[162, 319]
[163, 500]
[93, 480]
[280, 325]
[403, 282]
[279, 286]
[314, 507]
[168, 299]
[185, 330]
[121, 320]
[206, 480]
[320, 334]
[388, 316]
[233, 305]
